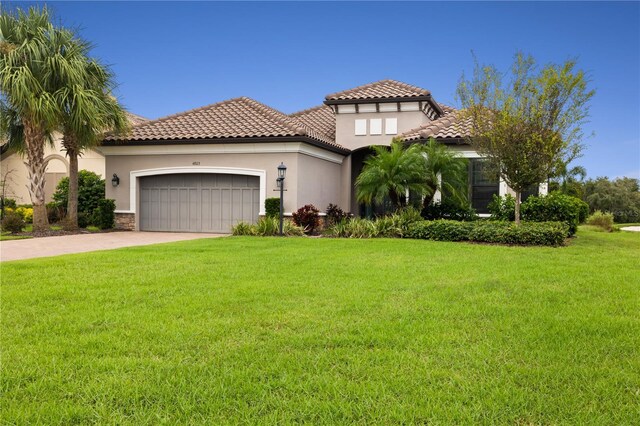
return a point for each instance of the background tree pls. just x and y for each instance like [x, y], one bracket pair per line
[529, 125]
[24, 67]
[89, 111]
[569, 181]
[620, 196]
[444, 171]
[391, 172]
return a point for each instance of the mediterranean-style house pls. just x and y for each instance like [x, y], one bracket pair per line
[205, 169]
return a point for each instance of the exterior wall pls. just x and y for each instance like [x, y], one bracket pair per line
[57, 168]
[345, 127]
[306, 166]
[319, 182]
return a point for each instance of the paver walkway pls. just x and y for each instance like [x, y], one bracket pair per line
[67, 244]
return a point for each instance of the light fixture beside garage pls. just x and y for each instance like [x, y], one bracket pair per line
[282, 172]
[115, 180]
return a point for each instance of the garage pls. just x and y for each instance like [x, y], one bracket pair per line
[198, 202]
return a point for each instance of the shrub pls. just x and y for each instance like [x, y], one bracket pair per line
[55, 212]
[386, 227]
[406, 217]
[26, 213]
[10, 203]
[527, 233]
[602, 220]
[503, 208]
[243, 228]
[12, 222]
[620, 196]
[307, 217]
[267, 227]
[84, 219]
[335, 214]
[555, 207]
[272, 207]
[353, 228]
[90, 192]
[448, 209]
[104, 216]
[440, 230]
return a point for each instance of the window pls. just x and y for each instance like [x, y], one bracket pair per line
[375, 126]
[391, 126]
[482, 187]
[361, 127]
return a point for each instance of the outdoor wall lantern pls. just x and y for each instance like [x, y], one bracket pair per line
[282, 172]
[115, 181]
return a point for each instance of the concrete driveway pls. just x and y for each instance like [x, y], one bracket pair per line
[67, 244]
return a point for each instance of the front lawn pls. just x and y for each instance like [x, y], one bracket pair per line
[267, 330]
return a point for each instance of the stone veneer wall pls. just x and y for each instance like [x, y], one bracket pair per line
[126, 221]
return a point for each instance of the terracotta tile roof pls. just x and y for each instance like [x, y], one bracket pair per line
[448, 126]
[383, 89]
[135, 119]
[320, 118]
[234, 118]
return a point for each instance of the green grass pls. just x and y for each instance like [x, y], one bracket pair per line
[7, 236]
[268, 330]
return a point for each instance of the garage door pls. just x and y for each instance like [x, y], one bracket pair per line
[198, 202]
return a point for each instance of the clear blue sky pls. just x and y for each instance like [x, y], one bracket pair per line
[173, 56]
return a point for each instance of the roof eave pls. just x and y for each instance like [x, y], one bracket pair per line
[204, 141]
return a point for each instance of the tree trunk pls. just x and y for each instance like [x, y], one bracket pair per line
[428, 198]
[518, 193]
[70, 145]
[36, 166]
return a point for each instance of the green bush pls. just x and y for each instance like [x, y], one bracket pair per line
[12, 222]
[272, 207]
[406, 217]
[353, 228]
[243, 228]
[602, 220]
[307, 217]
[55, 212]
[556, 207]
[440, 230]
[90, 192]
[267, 227]
[386, 227]
[503, 208]
[10, 203]
[620, 196]
[448, 209]
[527, 233]
[104, 216]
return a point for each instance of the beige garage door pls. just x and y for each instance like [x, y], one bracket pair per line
[198, 202]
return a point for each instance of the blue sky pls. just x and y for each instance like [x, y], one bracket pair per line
[173, 56]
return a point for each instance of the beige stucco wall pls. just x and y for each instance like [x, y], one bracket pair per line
[345, 127]
[57, 167]
[319, 182]
[309, 180]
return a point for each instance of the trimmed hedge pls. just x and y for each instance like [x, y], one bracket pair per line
[527, 233]
[556, 207]
[272, 207]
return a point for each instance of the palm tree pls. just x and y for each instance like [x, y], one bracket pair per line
[24, 67]
[445, 171]
[88, 111]
[391, 172]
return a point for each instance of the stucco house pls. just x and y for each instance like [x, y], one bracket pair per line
[14, 176]
[205, 169]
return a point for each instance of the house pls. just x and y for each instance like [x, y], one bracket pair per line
[14, 177]
[205, 169]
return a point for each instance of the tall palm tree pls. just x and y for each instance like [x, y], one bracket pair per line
[445, 171]
[24, 67]
[89, 111]
[391, 172]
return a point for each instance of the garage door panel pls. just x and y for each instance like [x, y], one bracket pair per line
[198, 202]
